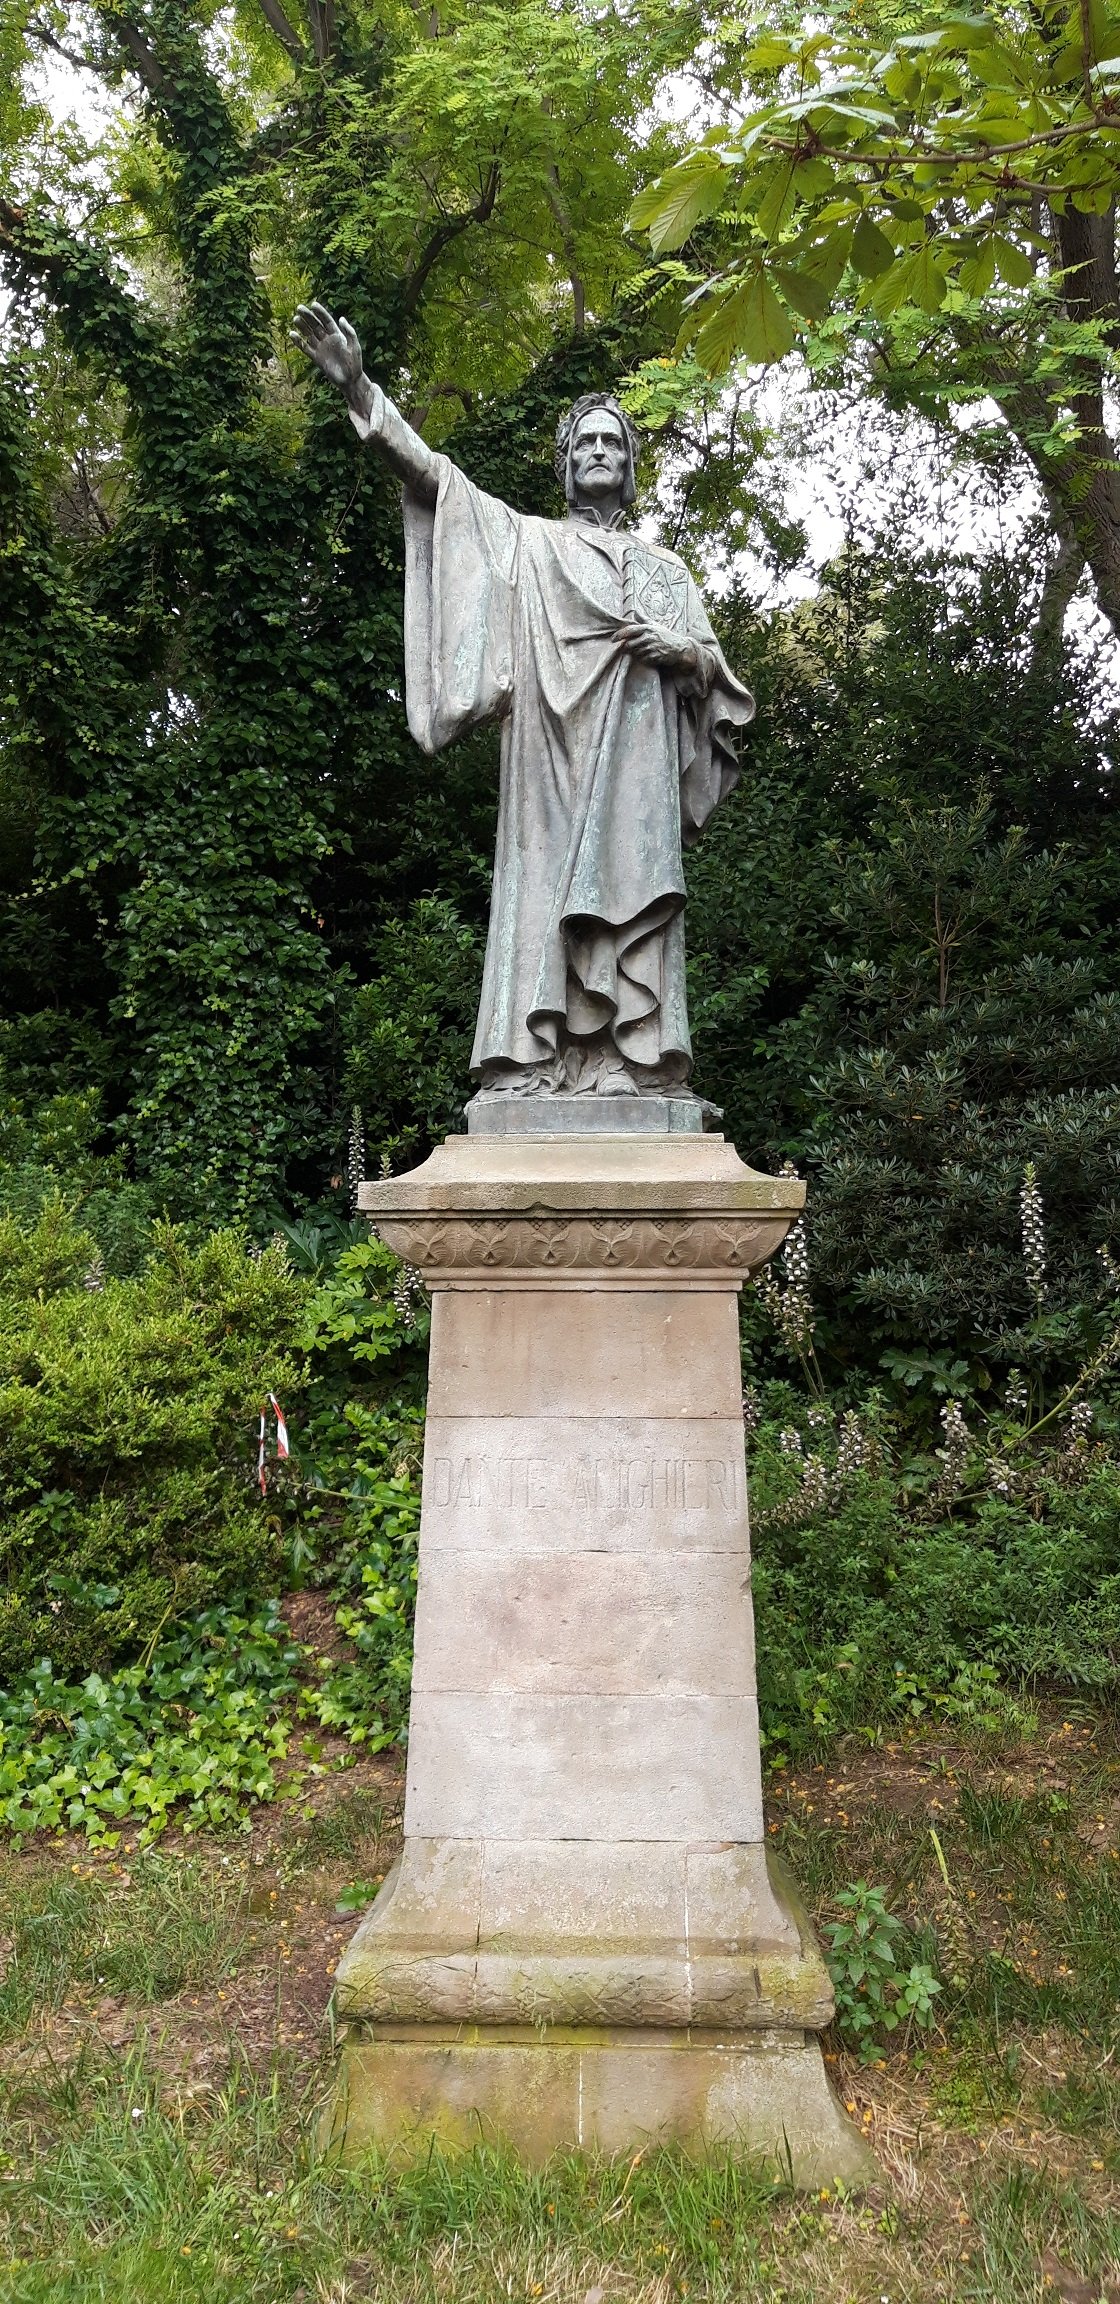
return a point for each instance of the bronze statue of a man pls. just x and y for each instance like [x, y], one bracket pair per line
[618, 715]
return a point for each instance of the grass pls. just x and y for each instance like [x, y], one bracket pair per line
[146, 1931]
[167, 2051]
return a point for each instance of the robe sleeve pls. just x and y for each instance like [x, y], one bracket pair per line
[460, 567]
[714, 706]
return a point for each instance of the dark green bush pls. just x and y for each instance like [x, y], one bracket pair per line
[410, 1029]
[128, 1413]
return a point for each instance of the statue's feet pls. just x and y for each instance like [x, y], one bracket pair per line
[615, 1080]
[523, 1079]
[595, 1071]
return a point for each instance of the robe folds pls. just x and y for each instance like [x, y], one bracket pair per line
[607, 765]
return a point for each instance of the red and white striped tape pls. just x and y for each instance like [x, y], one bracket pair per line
[282, 1449]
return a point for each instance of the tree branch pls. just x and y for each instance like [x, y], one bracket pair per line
[47, 39]
[321, 18]
[103, 322]
[1087, 253]
[418, 417]
[1087, 53]
[923, 155]
[289, 38]
[131, 39]
[127, 36]
[1081, 488]
[442, 238]
[562, 213]
[1063, 575]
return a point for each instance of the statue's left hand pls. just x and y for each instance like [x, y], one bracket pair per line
[653, 644]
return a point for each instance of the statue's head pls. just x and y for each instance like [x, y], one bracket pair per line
[592, 414]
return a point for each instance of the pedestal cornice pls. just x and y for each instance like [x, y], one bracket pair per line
[634, 1210]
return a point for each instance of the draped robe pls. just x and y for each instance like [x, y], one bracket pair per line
[608, 765]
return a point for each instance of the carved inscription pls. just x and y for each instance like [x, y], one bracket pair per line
[587, 1483]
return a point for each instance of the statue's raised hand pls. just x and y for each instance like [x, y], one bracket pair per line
[333, 346]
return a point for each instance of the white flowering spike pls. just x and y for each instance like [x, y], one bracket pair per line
[1034, 1233]
[408, 1285]
[355, 1155]
[955, 1454]
[1017, 1395]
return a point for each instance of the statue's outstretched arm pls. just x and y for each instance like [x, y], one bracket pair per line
[335, 349]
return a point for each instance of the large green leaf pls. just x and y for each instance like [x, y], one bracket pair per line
[670, 209]
[804, 290]
[978, 271]
[826, 264]
[778, 199]
[752, 321]
[925, 281]
[1014, 263]
[770, 52]
[871, 249]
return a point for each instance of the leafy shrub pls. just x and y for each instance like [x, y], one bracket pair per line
[409, 1030]
[359, 1313]
[127, 1435]
[374, 1574]
[875, 1989]
[887, 1584]
[360, 1498]
[52, 1132]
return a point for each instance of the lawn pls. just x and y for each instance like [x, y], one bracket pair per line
[167, 2049]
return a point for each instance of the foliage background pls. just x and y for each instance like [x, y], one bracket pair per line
[242, 920]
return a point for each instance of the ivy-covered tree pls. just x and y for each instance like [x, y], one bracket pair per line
[201, 730]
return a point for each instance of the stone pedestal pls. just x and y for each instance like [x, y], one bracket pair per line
[584, 1942]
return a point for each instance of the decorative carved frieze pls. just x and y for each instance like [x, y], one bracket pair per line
[460, 1245]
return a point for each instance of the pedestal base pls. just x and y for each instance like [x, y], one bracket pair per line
[619, 2090]
[577, 1994]
[583, 1944]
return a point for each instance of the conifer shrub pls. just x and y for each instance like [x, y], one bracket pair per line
[128, 1423]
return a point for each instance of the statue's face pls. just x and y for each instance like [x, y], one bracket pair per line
[599, 456]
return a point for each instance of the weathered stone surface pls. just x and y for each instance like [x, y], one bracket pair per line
[660, 1210]
[660, 1175]
[585, 1623]
[519, 1767]
[585, 1115]
[586, 1932]
[568, 1355]
[583, 1818]
[611, 2090]
[553, 1896]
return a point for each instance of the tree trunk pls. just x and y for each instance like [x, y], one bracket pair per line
[1081, 487]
